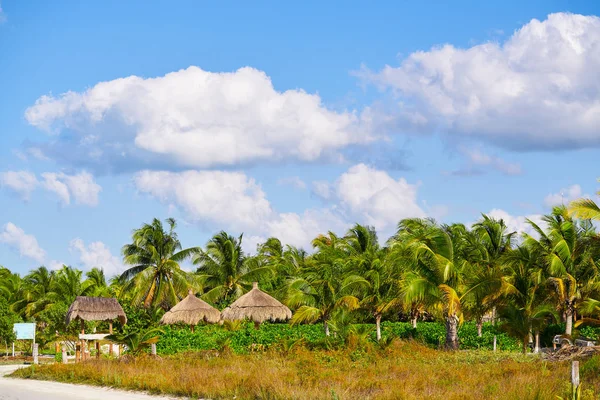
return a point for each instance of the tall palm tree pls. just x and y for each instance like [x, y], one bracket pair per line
[482, 252]
[324, 288]
[156, 277]
[432, 276]
[367, 259]
[568, 252]
[585, 209]
[225, 269]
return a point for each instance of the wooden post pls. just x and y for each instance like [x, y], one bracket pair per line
[78, 351]
[494, 342]
[35, 354]
[97, 349]
[110, 346]
[153, 348]
[575, 379]
[64, 354]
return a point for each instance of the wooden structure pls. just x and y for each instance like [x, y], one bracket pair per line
[94, 309]
[257, 306]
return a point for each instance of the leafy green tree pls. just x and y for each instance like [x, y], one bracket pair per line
[225, 270]
[432, 276]
[7, 319]
[156, 277]
[323, 287]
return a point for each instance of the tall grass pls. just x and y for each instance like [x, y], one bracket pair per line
[402, 370]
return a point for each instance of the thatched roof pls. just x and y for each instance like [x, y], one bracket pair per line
[257, 306]
[96, 309]
[190, 311]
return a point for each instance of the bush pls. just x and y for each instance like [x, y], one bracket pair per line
[247, 339]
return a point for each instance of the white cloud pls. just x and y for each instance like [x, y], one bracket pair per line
[293, 181]
[375, 198]
[518, 224]
[55, 265]
[478, 157]
[228, 199]
[564, 196]
[538, 90]
[321, 189]
[233, 201]
[81, 187]
[96, 254]
[21, 182]
[27, 245]
[194, 118]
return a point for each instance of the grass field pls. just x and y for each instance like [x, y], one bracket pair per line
[403, 370]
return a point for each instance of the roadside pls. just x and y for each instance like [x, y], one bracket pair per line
[27, 389]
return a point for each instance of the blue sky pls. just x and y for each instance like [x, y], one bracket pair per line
[286, 120]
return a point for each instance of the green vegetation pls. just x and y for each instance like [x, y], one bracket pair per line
[354, 284]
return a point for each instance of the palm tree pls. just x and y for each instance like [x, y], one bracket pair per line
[568, 251]
[323, 287]
[95, 283]
[156, 277]
[585, 209]
[525, 310]
[225, 269]
[368, 260]
[431, 275]
[482, 251]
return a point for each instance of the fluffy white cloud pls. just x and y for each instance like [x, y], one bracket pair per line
[227, 199]
[564, 196]
[375, 198]
[81, 187]
[96, 254]
[293, 181]
[21, 182]
[233, 201]
[518, 224]
[27, 245]
[540, 89]
[194, 118]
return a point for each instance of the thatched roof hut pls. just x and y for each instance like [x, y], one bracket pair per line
[96, 309]
[257, 306]
[191, 310]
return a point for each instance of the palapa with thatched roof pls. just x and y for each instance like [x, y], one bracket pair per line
[96, 309]
[191, 310]
[257, 306]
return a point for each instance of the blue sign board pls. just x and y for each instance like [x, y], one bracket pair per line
[25, 331]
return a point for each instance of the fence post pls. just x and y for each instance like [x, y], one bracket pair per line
[575, 379]
[153, 347]
[64, 353]
[13, 349]
[494, 342]
[35, 354]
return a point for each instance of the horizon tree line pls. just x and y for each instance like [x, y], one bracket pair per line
[447, 272]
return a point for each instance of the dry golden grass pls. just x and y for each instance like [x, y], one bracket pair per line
[406, 370]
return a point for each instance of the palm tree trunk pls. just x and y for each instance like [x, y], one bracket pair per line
[525, 343]
[326, 326]
[479, 326]
[413, 322]
[569, 318]
[378, 325]
[537, 341]
[452, 332]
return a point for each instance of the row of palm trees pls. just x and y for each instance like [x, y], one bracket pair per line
[449, 272]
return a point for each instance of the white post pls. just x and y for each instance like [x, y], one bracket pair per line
[13, 349]
[64, 353]
[494, 342]
[153, 347]
[35, 353]
[575, 377]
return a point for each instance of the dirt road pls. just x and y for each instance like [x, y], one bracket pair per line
[25, 389]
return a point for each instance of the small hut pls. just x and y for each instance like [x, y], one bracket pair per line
[191, 310]
[257, 306]
[94, 309]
